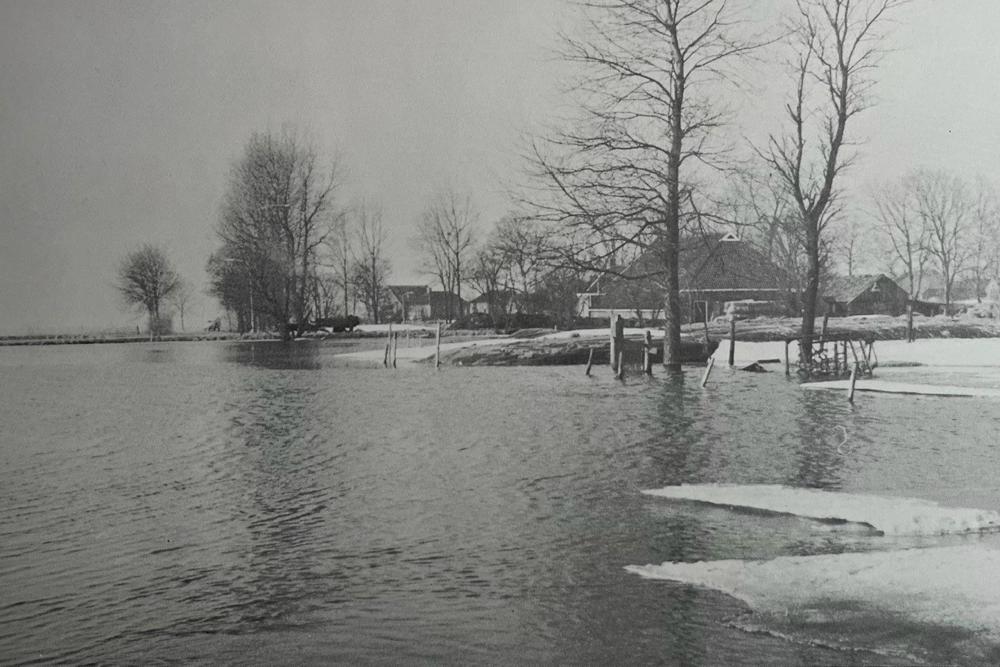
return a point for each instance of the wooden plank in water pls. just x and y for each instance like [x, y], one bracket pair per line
[885, 387]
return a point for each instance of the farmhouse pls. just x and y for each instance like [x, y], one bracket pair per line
[863, 295]
[714, 270]
[419, 302]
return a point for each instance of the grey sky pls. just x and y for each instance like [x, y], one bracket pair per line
[119, 120]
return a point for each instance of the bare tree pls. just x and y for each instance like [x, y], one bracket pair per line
[984, 246]
[836, 44]
[489, 275]
[946, 209]
[147, 278]
[616, 182]
[181, 297]
[900, 224]
[761, 207]
[340, 254]
[276, 215]
[446, 235]
[525, 250]
[371, 268]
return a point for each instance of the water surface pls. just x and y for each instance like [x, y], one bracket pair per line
[234, 503]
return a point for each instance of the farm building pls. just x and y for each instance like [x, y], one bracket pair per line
[420, 302]
[863, 295]
[714, 270]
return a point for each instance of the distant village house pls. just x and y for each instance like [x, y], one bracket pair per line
[416, 303]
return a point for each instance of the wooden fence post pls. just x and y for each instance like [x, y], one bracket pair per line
[388, 347]
[788, 370]
[395, 347]
[732, 340]
[620, 373]
[590, 362]
[854, 378]
[647, 357]
[708, 369]
[437, 345]
[617, 341]
[909, 321]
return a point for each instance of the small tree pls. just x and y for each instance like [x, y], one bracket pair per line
[181, 297]
[946, 208]
[147, 278]
[445, 236]
[371, 268]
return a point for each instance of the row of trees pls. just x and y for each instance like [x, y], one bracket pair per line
[936, 221]
[291, 250]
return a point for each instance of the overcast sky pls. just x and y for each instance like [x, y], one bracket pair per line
[119, 120]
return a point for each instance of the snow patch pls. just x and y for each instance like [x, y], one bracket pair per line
[891, 516]
[952, 586]
[885, 387]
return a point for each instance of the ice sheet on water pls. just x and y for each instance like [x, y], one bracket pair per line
[891, 516]
[952, 586]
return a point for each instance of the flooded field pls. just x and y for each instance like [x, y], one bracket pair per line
[266, 503]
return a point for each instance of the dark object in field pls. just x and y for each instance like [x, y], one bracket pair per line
[337, 324]
[755, 367]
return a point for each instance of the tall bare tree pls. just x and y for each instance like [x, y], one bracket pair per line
[489, 275]
[276, 215]
[371, 268]
[901, 226]
[525, 251]
[984, 244]
[340, 253]
[147, 278]
[946, 208]
[836, 43]
[446, 232]
[181, 297]
[616, 182]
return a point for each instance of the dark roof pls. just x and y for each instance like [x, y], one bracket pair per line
[413, 295]
[485, 297]
[844, 289]
[710, 262]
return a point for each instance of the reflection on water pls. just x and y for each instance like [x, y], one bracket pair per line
[261, 502]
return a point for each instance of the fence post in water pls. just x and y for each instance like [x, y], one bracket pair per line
[647, 357]
[437, 346]
[854, 378]
[590, 362]
[617, 342]
[909, 321]
[388, 347]
[732, 340]
[708, 369]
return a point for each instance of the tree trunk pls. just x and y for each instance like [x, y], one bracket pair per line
[811, 294]
[672, 304]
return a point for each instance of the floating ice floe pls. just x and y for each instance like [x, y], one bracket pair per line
[891, 516]
[953, 586]
[885, 387]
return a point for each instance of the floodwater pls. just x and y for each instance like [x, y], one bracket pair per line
[263, 503]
